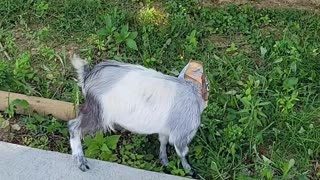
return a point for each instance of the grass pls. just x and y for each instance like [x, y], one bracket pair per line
[262, 121]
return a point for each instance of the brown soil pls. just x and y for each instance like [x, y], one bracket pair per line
[313, 5]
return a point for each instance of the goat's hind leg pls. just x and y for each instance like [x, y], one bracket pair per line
[75, 143]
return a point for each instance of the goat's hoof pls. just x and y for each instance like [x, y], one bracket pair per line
[194, 175]
[164, 161]
[84, 167]
[191, 173]
[83, 163]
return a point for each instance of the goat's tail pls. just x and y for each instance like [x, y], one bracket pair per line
[80, 65]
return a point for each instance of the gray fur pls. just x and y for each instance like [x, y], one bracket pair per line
[90, 115]
[185, 114]
[108, 73]
[103, 76]
[163, 149]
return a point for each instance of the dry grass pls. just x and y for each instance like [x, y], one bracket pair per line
[313, 5]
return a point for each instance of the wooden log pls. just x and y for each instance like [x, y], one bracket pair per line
[58, 109]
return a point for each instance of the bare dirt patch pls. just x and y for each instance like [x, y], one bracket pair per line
[223, 42]
[240, 42]
[313, 5]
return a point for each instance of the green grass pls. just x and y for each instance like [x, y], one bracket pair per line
[263, 65]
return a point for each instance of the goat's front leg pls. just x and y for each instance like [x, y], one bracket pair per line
[76, 147]
[163, 149]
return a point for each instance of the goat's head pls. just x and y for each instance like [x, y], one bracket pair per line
[194, 72]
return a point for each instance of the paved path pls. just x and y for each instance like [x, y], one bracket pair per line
[25, 163]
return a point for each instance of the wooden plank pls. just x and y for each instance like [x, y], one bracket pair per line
[58, 109]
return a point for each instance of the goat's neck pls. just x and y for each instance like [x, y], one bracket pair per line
[198, 88]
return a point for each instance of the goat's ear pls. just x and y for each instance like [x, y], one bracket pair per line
[193, 69]
[183, 71]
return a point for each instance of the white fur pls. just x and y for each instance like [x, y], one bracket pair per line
[148, 99]
[75, 144]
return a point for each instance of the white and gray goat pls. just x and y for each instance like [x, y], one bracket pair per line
[140, 100]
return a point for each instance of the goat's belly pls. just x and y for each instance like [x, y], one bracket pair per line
[141, 125]
[134, 117]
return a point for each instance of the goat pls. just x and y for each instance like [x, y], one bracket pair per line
[140, 100]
